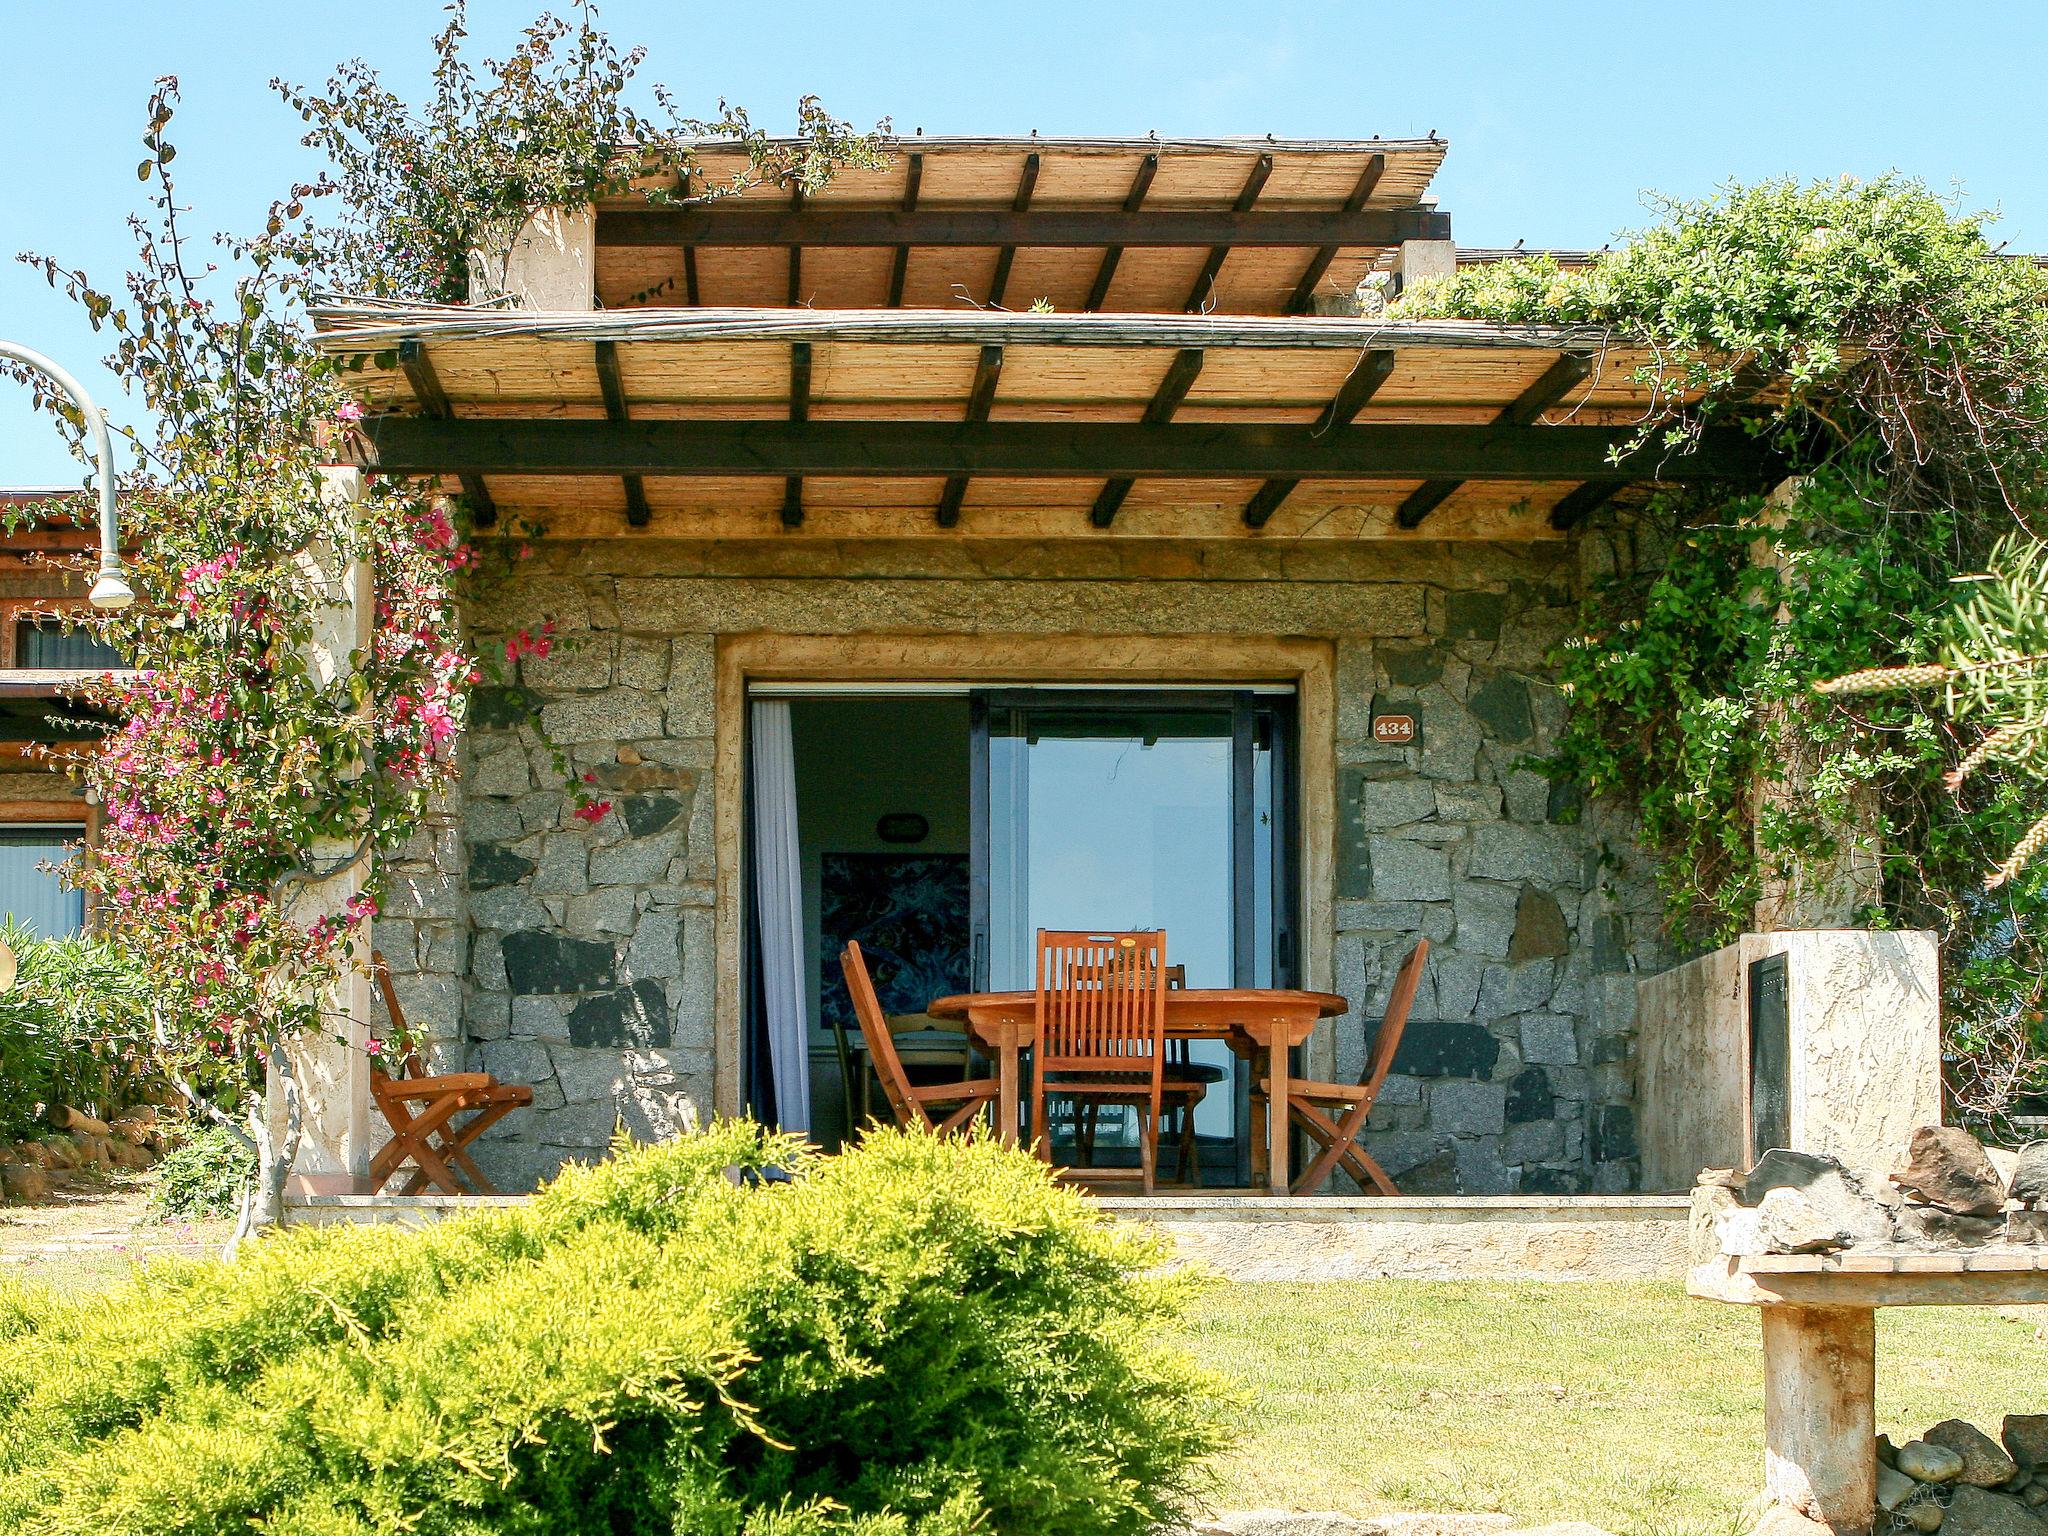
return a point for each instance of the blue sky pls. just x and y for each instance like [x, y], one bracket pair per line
[1559, 117]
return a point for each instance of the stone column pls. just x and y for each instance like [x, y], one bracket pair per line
[1820, 1415]
[333, 1066]
[550, 264]
[1416, 260]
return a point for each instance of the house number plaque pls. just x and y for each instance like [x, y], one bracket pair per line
[1394, 730]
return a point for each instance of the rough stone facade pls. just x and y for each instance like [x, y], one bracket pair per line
[579, 958]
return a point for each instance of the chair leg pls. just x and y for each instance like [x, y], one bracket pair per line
[1190, 1169]
[1148, 1149]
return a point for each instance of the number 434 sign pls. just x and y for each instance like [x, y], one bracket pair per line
[1394, 730]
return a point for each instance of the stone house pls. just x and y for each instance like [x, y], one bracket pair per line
[888, 600]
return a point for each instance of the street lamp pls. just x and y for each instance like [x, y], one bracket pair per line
[111, 591]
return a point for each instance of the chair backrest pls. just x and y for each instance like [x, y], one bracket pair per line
[1101, 1002]
[874, 1029]
[1399, 1001]
[409, 1064]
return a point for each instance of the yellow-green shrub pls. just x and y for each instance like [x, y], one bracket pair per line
[916, 1339]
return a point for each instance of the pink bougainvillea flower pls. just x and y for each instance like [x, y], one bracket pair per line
[593, 812]
[348, 413]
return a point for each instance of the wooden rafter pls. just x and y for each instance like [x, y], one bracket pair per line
[1060, 449]
[615, 409]
[1318, 264]
[799, 415]
[1020, 206]
[1248, 194]
[1359, 386]
[433, 399]
[1105, 271]
[1018, 225]
[1575, 506]
[1181, 374]
[899, 269]
[988, 372]
[796, 252]
[1558, 380]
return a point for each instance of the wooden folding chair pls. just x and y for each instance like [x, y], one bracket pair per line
[1183, 1085]
[1101, 1034]
[1334, 1114]
[432, 1138]
[958, 1104]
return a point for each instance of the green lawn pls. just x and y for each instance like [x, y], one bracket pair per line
[1625, 1405]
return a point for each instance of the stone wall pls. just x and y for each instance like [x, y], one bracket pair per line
[579, 958]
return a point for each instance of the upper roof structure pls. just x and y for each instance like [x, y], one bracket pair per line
[1236, 226]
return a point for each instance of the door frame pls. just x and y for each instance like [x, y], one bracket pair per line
[991, 660]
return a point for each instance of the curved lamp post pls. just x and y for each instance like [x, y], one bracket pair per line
[111, 590]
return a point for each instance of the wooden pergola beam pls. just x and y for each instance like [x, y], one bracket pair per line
[799, 416]
[1358, 388]
[1248, 194]
[1020, 205]
[1318, 264]
[615, 409]
[1089, 450]
[899, 269]
[426, 387]
[1105, 273]
[1574, 507]
[1558, 380]
[734, 224]
[1181, 374]
[988, 372]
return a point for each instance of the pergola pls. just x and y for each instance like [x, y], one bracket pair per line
[1019, 338]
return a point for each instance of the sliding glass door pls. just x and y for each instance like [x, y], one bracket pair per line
[1137, 810]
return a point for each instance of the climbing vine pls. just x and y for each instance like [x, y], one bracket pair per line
[1899, 366]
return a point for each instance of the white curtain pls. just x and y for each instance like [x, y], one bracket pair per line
[778, 890]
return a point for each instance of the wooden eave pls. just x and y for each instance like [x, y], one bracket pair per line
[1251, 226]
[890, 423]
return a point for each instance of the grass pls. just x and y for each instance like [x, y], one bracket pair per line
[93, 1233]
[1626, 1405]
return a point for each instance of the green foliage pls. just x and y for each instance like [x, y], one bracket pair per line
[916, 1339]
[1901, 367]
[205, 1173]
[74, 1028]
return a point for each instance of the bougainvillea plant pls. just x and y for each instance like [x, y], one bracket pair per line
[256, 756]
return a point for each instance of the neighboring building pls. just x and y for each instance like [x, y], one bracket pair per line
[43, 814]
[1205, 601]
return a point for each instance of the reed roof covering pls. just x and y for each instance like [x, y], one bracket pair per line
[744, 422]
[1252, 226]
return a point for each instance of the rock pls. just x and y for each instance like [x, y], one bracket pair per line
[1947, 1167]
[1540, 932]
[1282, 1522]
[541, 961]
[1893, 1487]
[1788, 1221]
[23, 1181]
[1977, 1512]
[2035, 1496]
[1985, 1465]
[1780, 1520]
[1937, 1228]
[59, 1152]
[1837, 1193]
[2026, 1438]
[2030, 1175]
[1923, 1514]
[1568, 1528]
[2026, 1226]
[1930, 1463]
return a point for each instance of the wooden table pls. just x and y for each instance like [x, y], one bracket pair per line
[1261, 1023]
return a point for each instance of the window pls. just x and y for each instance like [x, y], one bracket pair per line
[42, 643]
[32, 894]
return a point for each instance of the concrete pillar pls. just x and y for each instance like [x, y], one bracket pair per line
[1820, 1414]
[550, 263]
[1417, 260]
[333, 1066]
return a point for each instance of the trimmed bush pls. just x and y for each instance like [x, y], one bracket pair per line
[918, 1338]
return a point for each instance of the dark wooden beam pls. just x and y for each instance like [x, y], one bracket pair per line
[988, 372]
[796, 253]
[1027, 183]
[1105, 274]
[734, 222]
[899, 269]
[433, 399]
[1574, 507]
[1318, 264]
[638, 513]
[799, 415]
[1358, 388]
[1558, 380]
[1181, 374]
[1254, 184]
[690, 274]
[1090, 450]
